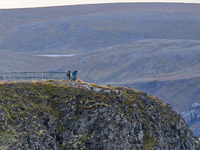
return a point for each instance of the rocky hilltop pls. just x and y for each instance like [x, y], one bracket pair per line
[153, 47]
[76, 115]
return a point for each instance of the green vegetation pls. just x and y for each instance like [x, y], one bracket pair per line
[31, 100]
[149, 142]
[128, 102]
[6, 138]
[130, 110]
[28, 100]
[31, 107]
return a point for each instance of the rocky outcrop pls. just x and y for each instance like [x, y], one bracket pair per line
[195, 112]
[181, 95]
[76, 115]
[192, 117]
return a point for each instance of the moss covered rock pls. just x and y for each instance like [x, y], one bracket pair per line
[76, 115]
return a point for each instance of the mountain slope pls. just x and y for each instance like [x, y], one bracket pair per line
[97, 29]
[74, 115]
[16, 62]
[141, 61]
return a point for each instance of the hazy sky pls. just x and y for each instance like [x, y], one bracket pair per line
[41, 3]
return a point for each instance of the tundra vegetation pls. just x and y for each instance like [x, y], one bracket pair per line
[77, 115]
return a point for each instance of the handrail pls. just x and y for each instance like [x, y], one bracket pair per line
[13, 76]
[33, 72]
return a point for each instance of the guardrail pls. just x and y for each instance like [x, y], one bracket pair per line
[25, 76]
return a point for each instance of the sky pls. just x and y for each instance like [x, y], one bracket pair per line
[5, 4]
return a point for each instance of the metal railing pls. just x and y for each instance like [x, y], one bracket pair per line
[29, 76]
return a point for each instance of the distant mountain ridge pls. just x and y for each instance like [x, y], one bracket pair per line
[90, 32]
[153, 47]
[85, 30]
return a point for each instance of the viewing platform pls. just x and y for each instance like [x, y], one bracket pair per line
[30, 76]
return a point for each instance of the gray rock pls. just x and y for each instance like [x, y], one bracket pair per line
[97, 89]
[99, 119]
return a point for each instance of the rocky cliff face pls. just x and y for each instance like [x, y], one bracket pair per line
[192, 117]
[76, 115]
[185, 102]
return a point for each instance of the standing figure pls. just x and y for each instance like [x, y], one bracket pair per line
[74, 75]
[69, 75]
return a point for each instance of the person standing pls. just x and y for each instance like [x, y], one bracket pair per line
[69, 75]
[74, 75]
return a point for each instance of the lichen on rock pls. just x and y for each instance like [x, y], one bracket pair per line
[76, 115]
